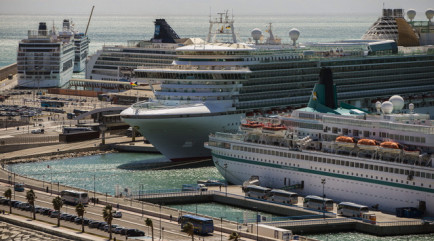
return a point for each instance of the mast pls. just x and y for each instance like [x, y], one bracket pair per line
[88, 22]
[221, 26]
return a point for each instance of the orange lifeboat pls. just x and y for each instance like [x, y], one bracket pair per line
[391, 147]
[254, 126]
[390, 144]
[367, 144]
[274, 129]
[346, 139]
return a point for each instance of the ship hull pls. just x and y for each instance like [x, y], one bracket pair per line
[58, 80]
[362, 190]
[183, 138]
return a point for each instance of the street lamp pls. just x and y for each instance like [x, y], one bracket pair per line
[323, 182]
[226, 184]
[257, 220]
[160, 221]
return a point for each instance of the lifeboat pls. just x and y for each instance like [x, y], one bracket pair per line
[274, 129]
[391, 147]
[367, 144]
[252, 126]
[345, 141]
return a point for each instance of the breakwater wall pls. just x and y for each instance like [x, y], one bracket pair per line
[7, 70]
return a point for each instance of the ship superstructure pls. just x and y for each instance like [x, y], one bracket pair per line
[393, 26]
[45, 59]
[382, 159]
[210, 87]
[118, 62]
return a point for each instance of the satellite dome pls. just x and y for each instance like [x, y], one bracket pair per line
[429, 14]
[398, 102]
[256, 34]
[387, 107]
[294, 34]
[411, 13]
[411, 107]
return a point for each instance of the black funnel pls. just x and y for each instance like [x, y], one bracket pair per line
[326, 78]
[163, 33]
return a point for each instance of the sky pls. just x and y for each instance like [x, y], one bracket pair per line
[202, 7]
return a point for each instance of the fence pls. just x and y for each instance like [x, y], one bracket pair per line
[7, 70]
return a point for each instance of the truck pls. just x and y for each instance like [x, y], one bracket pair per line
[194, 187]
[369, 218]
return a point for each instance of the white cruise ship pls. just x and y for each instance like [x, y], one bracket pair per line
[384, 159]
[81, 43]
[45, 59]
[118, 62]
[210, 87]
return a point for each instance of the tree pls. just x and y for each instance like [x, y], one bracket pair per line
[234, 236]
[80, 212]
[149, 223]
[57, 205]
[8, 194]
[189, 229]
[107, 214]
[31, 197]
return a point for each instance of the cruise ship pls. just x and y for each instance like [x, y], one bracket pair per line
[382, 159]
[81, 43]
[210, 87]
[118, 62]
[46, 58]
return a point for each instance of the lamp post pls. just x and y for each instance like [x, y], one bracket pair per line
[160, 221]
[323, 182]
[94, 199]
[226, 184]
[257, 220]
[221, 228]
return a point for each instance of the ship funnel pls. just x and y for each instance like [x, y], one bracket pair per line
[326, 79]
[42, 30]
[66, 24]
[324, 93]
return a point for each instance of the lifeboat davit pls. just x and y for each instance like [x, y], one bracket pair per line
[345, 141]
[391, 147]
[367, 144]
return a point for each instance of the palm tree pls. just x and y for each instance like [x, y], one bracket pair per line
[149, 223]
[57, 205]
[189, 229]
[107, 214]
[8, 194]
[80, 212]
[234, 236]
[31, 197]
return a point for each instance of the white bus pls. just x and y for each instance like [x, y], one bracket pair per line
[318, 203]
[74, 197]
[282, 196]
[257, 192]
[350, 209]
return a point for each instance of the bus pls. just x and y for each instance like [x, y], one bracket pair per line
[52, 104]
[350, 209]
[201, 225]
[258, 192]
[282, 196]
[318, 203]
[74, 197]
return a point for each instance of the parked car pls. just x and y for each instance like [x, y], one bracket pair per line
[16, 204]
[118, 229]
[71, 218]
[106, 227]
[19, 187]
[94, 224]
[101, 225]
[63, 216]
[55, 214]
[117, 214]
[78, 220]
[38, 209]
[135, 233]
